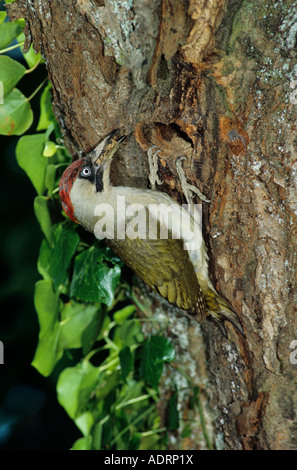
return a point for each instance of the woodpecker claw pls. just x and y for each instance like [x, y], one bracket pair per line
[152, 154]
[186, 187]
[219, 321]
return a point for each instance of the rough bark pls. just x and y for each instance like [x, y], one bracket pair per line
[212, 80]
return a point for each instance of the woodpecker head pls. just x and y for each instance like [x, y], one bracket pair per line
[86, 176]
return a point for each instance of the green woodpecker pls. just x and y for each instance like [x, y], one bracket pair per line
[167, 251]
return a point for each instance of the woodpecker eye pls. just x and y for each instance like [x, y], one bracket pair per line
[86, 172]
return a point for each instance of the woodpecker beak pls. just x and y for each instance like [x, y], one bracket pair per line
[103, 153]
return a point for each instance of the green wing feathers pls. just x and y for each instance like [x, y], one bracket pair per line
[166, 268]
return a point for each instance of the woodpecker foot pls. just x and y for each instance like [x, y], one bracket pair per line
[152, 154]
[220, 319]
[219, 311]
[186, 187]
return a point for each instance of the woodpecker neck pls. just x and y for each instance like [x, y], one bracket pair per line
[84, 199]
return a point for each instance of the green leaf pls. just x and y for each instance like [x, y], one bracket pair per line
[128, 334]
[50, 178]
[43, 216]
[93, 280]
[8, 32]
[107, 381]
[126, 361]
[84, 443]
[97, 435]
[135, 441]
[2, 16]
[30, 57]
[84, 422]
[121, 315]
[50, 149]
[74, 387]
[16, 115]
[156, 351]
[11, 72]
[46, 302]
[46, 113]
[47, 306]
[187, 431]
[75, 319]
[131, 390]
[172, 415]
[29, 157]
[92, 331]
[54, 260]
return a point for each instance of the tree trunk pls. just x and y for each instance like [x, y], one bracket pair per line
[214, 81]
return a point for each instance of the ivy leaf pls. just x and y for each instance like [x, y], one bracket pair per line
[29, 157]
[46, 113]
[75, 318]
[16, 115]
[92, 331]
[187, 431]
[126, 361]
[30, 57]
[128, 334]
[97, 435]
[129, 391]
[11, 72]
[47, 307]
[107, 382]
[50, 149]
[156, 351]
[54, 260]
[2, 16]
[85, 422]
[84, 443]
[172, 415]
[74, 387]
[8, 32]
[121, 315]
[94, 280]
[50, 177]
[43, 216]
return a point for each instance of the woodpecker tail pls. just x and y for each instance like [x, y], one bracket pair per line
[219, 310]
